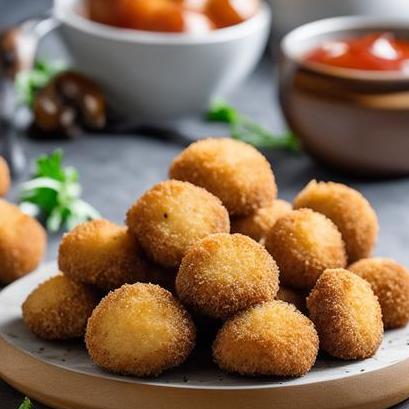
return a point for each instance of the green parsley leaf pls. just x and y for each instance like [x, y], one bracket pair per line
[28, 82]
[221, 112]
[26, 404]
[51, 166]
[54, 195]
[244, 129]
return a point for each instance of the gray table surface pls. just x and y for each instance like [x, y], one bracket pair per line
[116, 169]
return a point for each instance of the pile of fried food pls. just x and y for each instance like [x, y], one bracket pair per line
[18, 254]
[212, 254]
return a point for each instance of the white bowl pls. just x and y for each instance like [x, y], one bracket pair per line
[161, 75]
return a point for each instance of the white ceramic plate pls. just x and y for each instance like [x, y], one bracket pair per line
[199, 373]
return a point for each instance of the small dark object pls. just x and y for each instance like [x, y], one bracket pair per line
[13, 57]
[8, 54]
[69, 102]
[85, 95]
[48, 107]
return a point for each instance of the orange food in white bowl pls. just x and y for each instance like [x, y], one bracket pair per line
[153, 74]
[175, 16]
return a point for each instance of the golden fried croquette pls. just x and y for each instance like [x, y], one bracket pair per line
[390, 283]
[347, 315]
[259, 224]
[226, 273]
[172, 216]
[140, 330]
[291, 296]
[102, 254]
[233, 171]
[305, 243]
[59, 309]
[4, 177]
[23, 242]
[272, 338]
[348, 209]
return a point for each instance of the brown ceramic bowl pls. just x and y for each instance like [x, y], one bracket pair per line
[354, 120]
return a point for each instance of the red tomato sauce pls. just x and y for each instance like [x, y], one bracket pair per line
[372, 52]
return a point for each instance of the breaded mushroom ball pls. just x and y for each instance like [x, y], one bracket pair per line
[4, 177]
[172, 216]
[271, 339]
[59, 309]
[390, 283]
[347, 315]
[349, 210]
[23, 242]
[224, 274]
[139, 330]
[290, 296]
[233, 171]
[258, 225]
[102, 254]
[305, 243]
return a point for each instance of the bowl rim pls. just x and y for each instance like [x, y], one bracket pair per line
[64, 13]
[344, 24]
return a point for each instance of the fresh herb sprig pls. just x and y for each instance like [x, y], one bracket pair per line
[54, 195]
[247, 130]
[29, 82]
[26, 404]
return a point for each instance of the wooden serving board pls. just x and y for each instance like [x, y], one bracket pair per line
[62, 376]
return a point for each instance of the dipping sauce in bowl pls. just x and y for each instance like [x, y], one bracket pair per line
[177, 16]
[344, 90]
[374, 52]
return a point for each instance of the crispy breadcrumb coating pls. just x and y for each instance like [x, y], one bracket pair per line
[348, 209]
[390, 283]
[272, 339]
[172, 216]
[23, 242]
[4, 177]
[347, 315]
[232, 170]
[59, 308]
[290, 296]
[224, 274]
[139, 330]
[259, 224]
[305, 243]
[102, 254]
